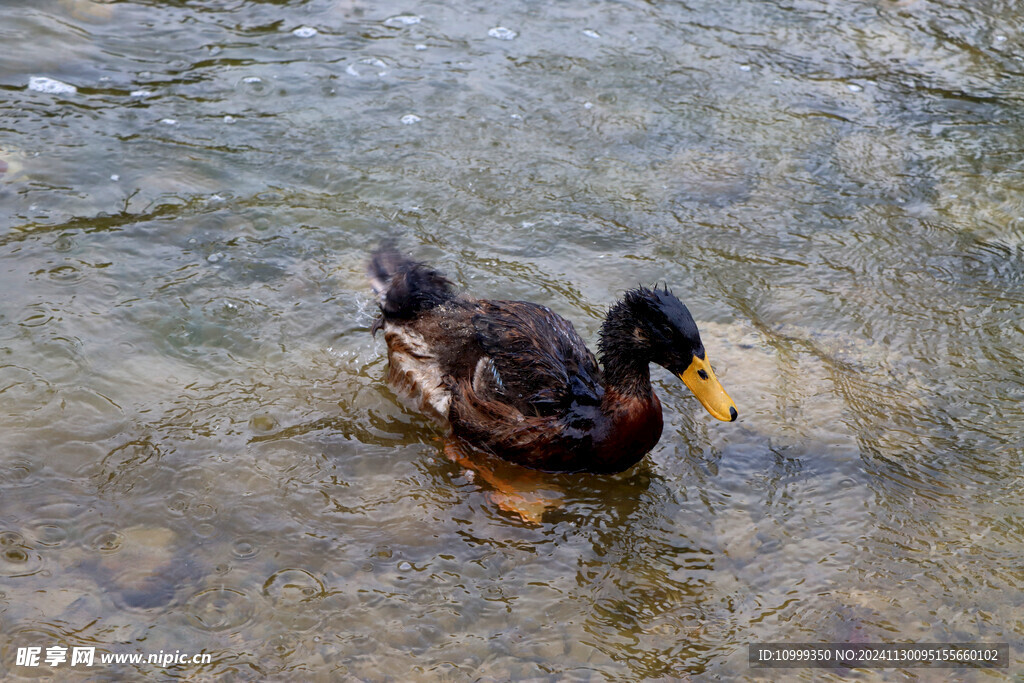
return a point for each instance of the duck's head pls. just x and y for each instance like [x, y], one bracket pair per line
[653, 326]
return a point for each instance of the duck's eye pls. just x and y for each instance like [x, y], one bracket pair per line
[702, 374]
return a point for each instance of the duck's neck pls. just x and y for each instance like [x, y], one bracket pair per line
[625, 354]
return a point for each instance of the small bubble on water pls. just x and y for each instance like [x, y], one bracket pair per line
[403, 20]
[369, 66]
[51, 86]
[115, 177]
[404, 566]
[263, 423]
[305, 32]
[1000, 38]
[591, 33]
[229, 119]
[853, 87]
[502, 33]
[214, 257]
[252, 79]
[243, 548]
[141, 93]
[419, 46]
[744, 67]
[169, 122]
[410, 119]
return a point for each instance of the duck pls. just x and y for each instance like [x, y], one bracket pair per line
[516, 380]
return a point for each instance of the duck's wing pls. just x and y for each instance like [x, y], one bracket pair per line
[533, 359]
[538, 441]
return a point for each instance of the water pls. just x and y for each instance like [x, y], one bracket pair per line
[198, 453]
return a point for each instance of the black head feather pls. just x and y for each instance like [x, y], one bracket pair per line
[649, 325]
[404, 287]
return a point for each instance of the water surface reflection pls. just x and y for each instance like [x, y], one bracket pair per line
[198, 452]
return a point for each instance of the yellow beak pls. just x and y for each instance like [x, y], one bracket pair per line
[701, 380]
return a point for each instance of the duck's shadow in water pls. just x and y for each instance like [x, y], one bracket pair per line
[534, 496]
[530, 496]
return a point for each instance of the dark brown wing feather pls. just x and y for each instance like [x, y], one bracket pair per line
[544, 442]
[540, 364]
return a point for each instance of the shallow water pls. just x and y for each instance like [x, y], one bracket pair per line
[197, 450]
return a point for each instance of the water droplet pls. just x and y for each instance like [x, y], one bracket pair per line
[502, 33]
[243, 549]
[305, 32]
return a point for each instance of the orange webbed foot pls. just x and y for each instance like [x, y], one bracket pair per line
[520, 491]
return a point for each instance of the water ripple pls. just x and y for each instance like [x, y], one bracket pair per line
[219, 609]
[290, 587]
[17, 559]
